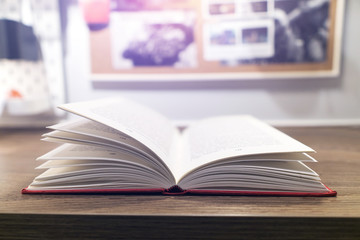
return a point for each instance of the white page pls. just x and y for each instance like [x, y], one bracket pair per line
[83, 152]
[98, 131]
[95, 164]
[143, 124]
[128, 144]
[100, 174]
[230, 136]
[279, 170]
[95, 147]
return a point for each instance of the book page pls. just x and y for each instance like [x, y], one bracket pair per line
[77, 139]
[118, 176]
[82, 155]
[95, 129]
[85, 130]
[143, 124]
[259, 175]
[230, 136]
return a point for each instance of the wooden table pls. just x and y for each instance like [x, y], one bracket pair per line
[181, 217]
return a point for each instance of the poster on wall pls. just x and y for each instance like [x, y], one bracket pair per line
[169, 40]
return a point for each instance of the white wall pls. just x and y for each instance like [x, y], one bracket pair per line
[282, 102]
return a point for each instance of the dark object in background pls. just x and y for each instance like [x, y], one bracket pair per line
[162, 46]
[18, 41]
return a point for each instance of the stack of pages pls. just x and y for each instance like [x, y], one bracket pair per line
[118, 146]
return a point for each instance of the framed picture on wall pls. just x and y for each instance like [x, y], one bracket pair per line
[169, 40]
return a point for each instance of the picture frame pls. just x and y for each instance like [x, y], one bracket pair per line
[190, 41]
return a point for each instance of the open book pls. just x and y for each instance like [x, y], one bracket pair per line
[118, 146]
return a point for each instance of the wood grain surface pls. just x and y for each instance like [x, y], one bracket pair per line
[178, 217]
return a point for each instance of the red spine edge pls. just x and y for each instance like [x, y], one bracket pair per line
[176, 190]
[94, 191]
[330, 193]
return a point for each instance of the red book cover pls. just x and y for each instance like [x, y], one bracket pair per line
[176, 190]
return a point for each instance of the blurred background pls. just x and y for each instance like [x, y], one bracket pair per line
[288, 62]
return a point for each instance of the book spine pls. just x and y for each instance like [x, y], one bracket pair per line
[174, 190]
